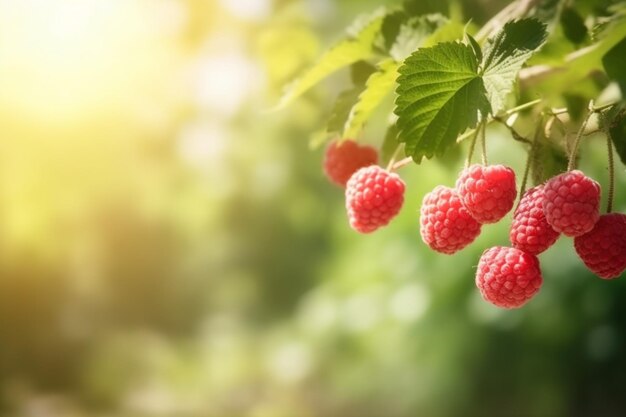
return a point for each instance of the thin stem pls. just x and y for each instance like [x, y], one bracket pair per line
[522, 107]
[507, 113]
[468, 134]
[470, 152]
[401, 163]
[572, 159]
[514, 133]
[392, 161]
[483, 141]
[604, 107]
[531, 157]
[609, 143]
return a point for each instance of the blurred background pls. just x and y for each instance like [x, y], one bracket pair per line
[170, 248]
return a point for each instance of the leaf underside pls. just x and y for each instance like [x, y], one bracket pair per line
[359, 46]
[505, 55]
[379, 84]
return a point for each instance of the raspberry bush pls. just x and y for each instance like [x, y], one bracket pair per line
[450, 85]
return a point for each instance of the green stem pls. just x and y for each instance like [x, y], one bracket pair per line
[609, 142]
[403, 162]
[523, 107]
[572, 159]
[507, 113]
[531, 157]
[483, 141]
[470, 152]
[392, 161]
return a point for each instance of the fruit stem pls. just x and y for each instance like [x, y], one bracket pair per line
[609, 142]
[531, 157]
[483, 141]
[572, 158]
[392, 160]
[401, 163]
[470, 152]
[500, 119]
[522, 107]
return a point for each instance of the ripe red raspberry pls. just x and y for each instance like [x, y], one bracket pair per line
[374, 196]
[530, 231]
[344, 158]
[487, 192]
[572, 203]
[603, 249]
[445, 225]
[508, 277]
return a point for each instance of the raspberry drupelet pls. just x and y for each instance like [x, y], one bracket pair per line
[445, 225]
[530, 231]
[508, 277]
[487, 192]
[603, 249]
[374, 196]
[342, 159]
[572, 203]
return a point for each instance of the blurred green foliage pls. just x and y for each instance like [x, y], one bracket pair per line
[183, 259]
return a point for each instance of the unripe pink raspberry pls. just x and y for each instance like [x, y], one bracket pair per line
[603, 249]
[508, 277]
[572, 203]
[445, 225]
[374, 196]
[342, 159]
[530, 231]
[487, 192]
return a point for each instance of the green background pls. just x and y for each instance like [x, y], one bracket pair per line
[169, 251]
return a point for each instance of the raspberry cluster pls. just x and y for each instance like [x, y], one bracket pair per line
[530, 231]
[452, 218]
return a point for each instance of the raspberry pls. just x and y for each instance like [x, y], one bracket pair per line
[508, 277]
[373, 197]
[603, 249]
[572, 203]
[487, 192]
[445, 225]
[345, 158]
[530, 231]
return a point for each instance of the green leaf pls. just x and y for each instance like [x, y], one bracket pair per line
[413, 33]
[614, 63]
[403, 33]
[391, 28]
[618, 136]
[360, 71]
[475, 46]
[420, 7]
[341, 110]
[451, 31]
[573, 25]
[505, 54]
[379, 84]
[440, 94]
[613, 122]
[578, 65]
[359, 45]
